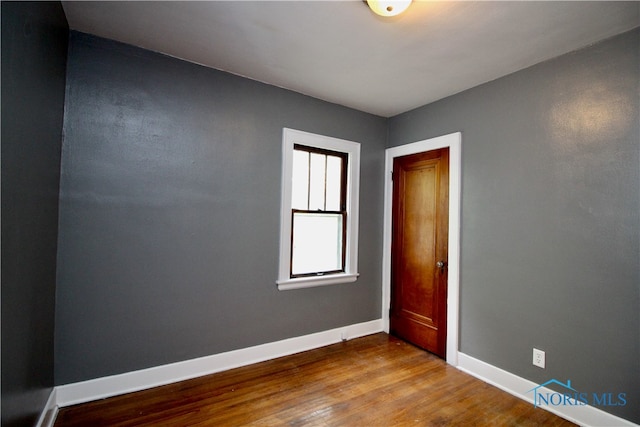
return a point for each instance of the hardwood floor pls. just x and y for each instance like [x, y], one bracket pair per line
[376, 380]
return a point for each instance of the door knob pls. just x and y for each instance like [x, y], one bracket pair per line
[441, 264]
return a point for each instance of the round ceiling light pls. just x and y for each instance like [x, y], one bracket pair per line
[388, 7]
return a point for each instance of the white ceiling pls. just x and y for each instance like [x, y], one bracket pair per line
[341, 52]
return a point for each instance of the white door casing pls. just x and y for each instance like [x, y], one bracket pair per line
[454, 142]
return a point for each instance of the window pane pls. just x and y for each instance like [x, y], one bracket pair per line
[317, 243]
[334, 178]
[300, 180]
[317, 175]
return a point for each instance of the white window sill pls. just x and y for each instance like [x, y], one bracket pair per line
[309, 282]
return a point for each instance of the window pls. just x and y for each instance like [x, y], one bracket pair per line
[318, 211]
[319, 218]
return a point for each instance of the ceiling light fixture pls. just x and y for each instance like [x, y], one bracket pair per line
[388, 7]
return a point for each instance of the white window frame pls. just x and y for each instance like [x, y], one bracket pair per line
[290, 137]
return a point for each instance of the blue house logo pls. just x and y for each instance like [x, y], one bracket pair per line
[572, 397]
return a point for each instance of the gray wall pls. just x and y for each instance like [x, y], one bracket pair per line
[550, 217]
[169, 213]
[34, 51]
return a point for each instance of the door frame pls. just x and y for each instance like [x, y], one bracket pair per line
[454, 142]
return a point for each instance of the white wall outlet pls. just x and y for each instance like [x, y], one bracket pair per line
[538, 358]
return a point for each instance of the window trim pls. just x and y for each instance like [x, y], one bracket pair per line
[291, 137]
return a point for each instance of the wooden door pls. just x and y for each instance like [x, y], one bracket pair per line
[419, 249]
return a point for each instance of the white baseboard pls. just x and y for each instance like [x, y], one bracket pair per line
[99, 388]
[50, 411]
[585, 415]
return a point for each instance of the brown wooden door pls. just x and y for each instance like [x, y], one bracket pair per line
[419, 249]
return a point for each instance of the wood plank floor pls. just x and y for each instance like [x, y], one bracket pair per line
[371, 381]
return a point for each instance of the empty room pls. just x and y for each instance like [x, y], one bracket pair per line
[342, 213]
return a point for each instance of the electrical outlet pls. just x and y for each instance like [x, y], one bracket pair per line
[538, 358]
